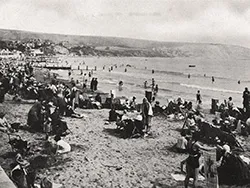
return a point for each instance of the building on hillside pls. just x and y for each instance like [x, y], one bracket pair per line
[36, 52]
[6, 53]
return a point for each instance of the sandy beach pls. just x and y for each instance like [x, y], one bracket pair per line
[100, 157]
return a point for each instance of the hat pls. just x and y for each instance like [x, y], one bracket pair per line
[226, 148]
[139, 118]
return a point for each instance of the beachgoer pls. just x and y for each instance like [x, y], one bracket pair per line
[147, 113]
[156, 89]
[62, 146]
[113, 115]
[230, 104]
[84, 77]
[125, 70]
[192, 162]
[92, 84]
[198, 97]
[132, 104]
[89, 75]
[95, 84]
[98, 98]
[120, 85]
[213, 79]
[153, 71]
[181, 145]
[238, 81]
[145, 84]
[35, 119]
[153, 84]
[246, 96]
[189, 76]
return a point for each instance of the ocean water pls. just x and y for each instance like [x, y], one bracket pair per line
[171, 75]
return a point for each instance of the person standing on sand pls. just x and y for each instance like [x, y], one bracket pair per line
[147, 113]
[213, 79]
[92, 84]
[192, 162]
[95, 84]
[246, 95]
[156, 89]
[145, 84]
[153, 84]
[84, 77]
[198, 97]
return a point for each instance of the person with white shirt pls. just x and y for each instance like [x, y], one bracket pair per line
[62, 146]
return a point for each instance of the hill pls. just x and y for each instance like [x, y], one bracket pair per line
[113, 46]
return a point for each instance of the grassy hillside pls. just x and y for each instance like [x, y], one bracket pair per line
[113, 46]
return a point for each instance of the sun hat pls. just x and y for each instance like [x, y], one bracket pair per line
[226, 148]
[138, 117]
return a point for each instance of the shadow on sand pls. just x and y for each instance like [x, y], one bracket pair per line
[113, 132]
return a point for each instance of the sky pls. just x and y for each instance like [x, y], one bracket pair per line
[204, 21]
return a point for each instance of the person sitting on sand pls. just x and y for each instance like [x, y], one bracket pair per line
[4, 124]
[230, 104]
[62, 146]
[70, 112]
[181, 145]
[35, 119]
[132, 104]
[113, 115]
[98, 98]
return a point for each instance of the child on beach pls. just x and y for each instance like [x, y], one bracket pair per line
[62, 146]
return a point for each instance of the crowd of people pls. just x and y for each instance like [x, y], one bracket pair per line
[53, 100]
[221, 134]
[57, 99]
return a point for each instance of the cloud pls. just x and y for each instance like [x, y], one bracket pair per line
[226, 21]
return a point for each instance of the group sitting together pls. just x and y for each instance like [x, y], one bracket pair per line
[132, 122]
[233, 168]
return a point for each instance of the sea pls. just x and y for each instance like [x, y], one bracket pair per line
[176, 77]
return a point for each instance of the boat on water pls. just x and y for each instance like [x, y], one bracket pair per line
[192, 65]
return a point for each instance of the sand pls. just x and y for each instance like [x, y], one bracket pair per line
[100, 157]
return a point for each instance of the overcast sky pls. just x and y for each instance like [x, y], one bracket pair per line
[215, 21]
